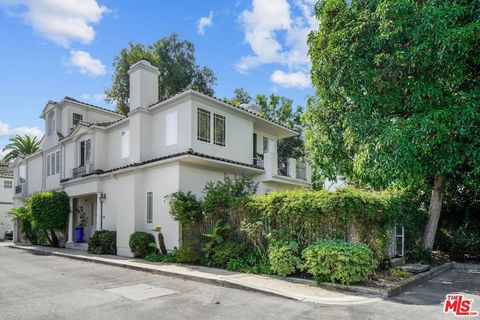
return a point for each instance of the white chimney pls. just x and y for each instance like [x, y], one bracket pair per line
[143, 84]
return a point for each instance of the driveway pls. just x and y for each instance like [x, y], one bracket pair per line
[48, 287]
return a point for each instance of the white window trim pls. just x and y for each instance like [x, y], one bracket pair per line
[7, 184]
[89, 161]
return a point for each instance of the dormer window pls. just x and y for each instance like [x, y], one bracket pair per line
[77, 118]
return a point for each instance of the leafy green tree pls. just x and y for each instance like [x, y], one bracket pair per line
[20, 147]
[175, 60]
[397, 94]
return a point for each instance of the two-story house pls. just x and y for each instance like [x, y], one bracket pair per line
[6, 193]
[119, 169]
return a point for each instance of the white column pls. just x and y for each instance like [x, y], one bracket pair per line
[70, 223]
[292, 168]
[99, 211]
[308, 172]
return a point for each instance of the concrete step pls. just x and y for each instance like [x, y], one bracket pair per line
[78, 246]
[397, 262]
[415, 267]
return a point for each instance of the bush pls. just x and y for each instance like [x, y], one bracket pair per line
[185, 208]
[305, 216]
[226, 251]
[251, 262]
[156, 257]
[460, 244]
[188, 253]
[140, 243]
[283, 257]
[103, 242]
[338, 261]
[49, 213]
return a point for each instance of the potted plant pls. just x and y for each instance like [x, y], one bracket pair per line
[79, 233]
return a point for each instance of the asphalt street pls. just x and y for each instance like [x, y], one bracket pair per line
[36, 286]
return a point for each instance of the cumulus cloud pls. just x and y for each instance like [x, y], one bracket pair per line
[298, 79]
[59, 21]
[6, 131]
[280, 40]
[204, 22]
[85, 64]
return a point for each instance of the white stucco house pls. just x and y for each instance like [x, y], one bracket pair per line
[119, 169]
[6, 194]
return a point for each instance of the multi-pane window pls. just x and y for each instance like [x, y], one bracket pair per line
[265, 144]
[149, 207]
[85, 151]
[219, 130]
[203, 126]
[57, 162]
[77, 118]
[53, 163]
[7, 184]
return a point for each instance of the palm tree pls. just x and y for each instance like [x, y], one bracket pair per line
[20, 146]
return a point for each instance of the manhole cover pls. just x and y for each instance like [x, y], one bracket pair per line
[138, 292]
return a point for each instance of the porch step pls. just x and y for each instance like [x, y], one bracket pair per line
[78, 246]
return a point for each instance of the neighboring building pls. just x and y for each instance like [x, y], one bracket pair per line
[6, 195]
[119, 169]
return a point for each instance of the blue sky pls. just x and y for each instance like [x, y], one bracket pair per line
[57, 48]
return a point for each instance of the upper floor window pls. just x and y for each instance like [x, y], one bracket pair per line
[265, 144]
[7, 184]
[85, 151]
[171, 129]
[50, 123]
[22, 173]
[203, 125]
[125, 144]
[53, 163]
[219, 130]
[77, 118]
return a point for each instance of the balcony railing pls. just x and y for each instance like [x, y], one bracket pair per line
[20, 189]
[301, 171]
[80, 171]
[283, 168]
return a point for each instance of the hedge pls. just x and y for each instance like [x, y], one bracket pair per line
[306, 216]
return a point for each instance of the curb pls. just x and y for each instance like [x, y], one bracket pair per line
[211, 281]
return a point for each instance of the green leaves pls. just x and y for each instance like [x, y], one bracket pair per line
[395, 89]
[20, 147]
[49, 210]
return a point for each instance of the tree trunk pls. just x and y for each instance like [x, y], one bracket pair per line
[434, 211]
[161, 243]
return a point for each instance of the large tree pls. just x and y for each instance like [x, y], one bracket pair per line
[20, 146]
[397, 94]
[175, 60]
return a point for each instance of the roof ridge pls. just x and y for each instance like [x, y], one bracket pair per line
[92, 105]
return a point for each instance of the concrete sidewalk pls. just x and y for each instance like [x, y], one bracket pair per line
[220, 277]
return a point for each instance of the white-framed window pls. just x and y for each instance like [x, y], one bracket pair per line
[265, 144]
[22, 173]
[219, 130]
[171, 129]
[208, 126]
[7, 184]
[125, 144]
[149, 207]
[203, 125]
[85, 151]
[76, 118]
[48, 165]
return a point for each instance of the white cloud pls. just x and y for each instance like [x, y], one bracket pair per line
[60, 21]
[95, 97]
[204, 22]
[298, 79]
[6, 131]
[85, 64]
[276, 32]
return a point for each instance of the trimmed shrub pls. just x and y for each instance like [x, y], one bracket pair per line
[185, 208]
[188, 253]
[140, 243]
[226, 251]
[306, 216]
[283, 257]
[103, 242]
[338, 261]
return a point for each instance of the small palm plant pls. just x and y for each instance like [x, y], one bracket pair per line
[20, 147]
[217, 234]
